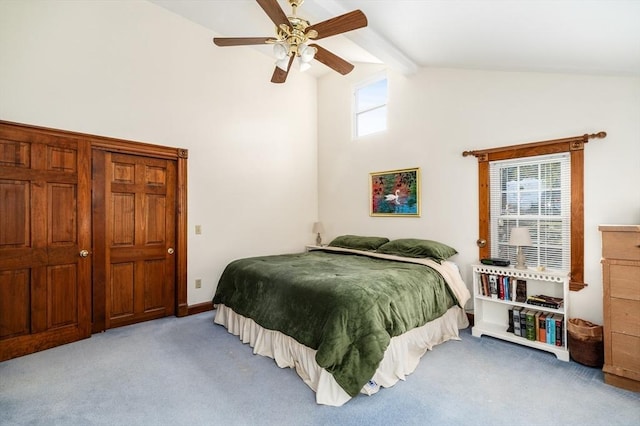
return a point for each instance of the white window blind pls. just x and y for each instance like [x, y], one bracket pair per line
[532, 192]
[370, 107]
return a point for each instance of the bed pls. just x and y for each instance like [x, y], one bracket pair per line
[349, 319]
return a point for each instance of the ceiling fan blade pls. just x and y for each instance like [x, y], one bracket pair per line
[275, 12]
[340, 24]
[279, 75]
[241, 41]
[332, 60]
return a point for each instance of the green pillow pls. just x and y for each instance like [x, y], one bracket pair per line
[357, 242]
[413, 247]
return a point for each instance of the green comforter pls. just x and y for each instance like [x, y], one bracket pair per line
[345, 306]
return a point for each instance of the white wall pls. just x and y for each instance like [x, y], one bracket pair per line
[133, 70]
[438, 113]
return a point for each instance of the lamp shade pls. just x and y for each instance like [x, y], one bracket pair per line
[283, 64]
[280, 51]
[304, 66]
[317, 228]
[520, 237]
[306, 52]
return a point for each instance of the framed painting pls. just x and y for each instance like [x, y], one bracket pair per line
[395, 193]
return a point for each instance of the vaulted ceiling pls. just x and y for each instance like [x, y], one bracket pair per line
[573, 36]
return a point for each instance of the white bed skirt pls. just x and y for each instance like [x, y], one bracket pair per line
[400, 359]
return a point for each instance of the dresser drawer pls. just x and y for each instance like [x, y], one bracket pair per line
[626, 352]
[624, 281]
[621, 243]
[625, 316]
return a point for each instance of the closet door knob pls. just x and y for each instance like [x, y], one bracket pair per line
[170, 250]
[84, 253]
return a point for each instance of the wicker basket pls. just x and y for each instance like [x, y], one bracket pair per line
[585, 342]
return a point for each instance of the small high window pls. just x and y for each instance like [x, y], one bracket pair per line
[370, 107]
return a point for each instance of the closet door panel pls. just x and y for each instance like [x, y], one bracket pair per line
[45, 216]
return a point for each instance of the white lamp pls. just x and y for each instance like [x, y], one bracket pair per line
[317, 229]
[520, 237]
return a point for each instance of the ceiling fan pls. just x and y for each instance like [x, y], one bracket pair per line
[293, 37]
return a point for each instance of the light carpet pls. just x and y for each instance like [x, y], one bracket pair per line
[189, 371]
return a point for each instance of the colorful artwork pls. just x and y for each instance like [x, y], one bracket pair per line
[395, 193]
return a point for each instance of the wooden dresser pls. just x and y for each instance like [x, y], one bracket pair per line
[621, 292]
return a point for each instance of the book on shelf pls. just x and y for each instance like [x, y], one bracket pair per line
[551, 330]
[516, 320]
[545, 301]
[493, 286]
[510, 323]
[542, 327]
[536, 324]
[500, 279]
[485, 285]
[523, 322]
[505, 285]
[531, 326]
[521, 291]
[559, 329]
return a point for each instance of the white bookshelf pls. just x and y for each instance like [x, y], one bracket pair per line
[491, 315]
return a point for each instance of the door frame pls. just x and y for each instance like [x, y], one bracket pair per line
[100, 146]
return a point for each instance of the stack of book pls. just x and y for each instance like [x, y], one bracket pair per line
[546, 301]
[544, 327]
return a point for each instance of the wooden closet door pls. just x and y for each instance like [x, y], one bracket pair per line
[45, 221]
[139, 238]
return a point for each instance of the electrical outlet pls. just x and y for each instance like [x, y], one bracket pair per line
[198, 229]
[198, 283]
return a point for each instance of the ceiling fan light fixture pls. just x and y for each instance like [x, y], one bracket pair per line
[283, 64]
[304, 66]
[281, 50]
[307, 53]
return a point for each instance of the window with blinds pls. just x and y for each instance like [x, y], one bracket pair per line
[532, 192]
